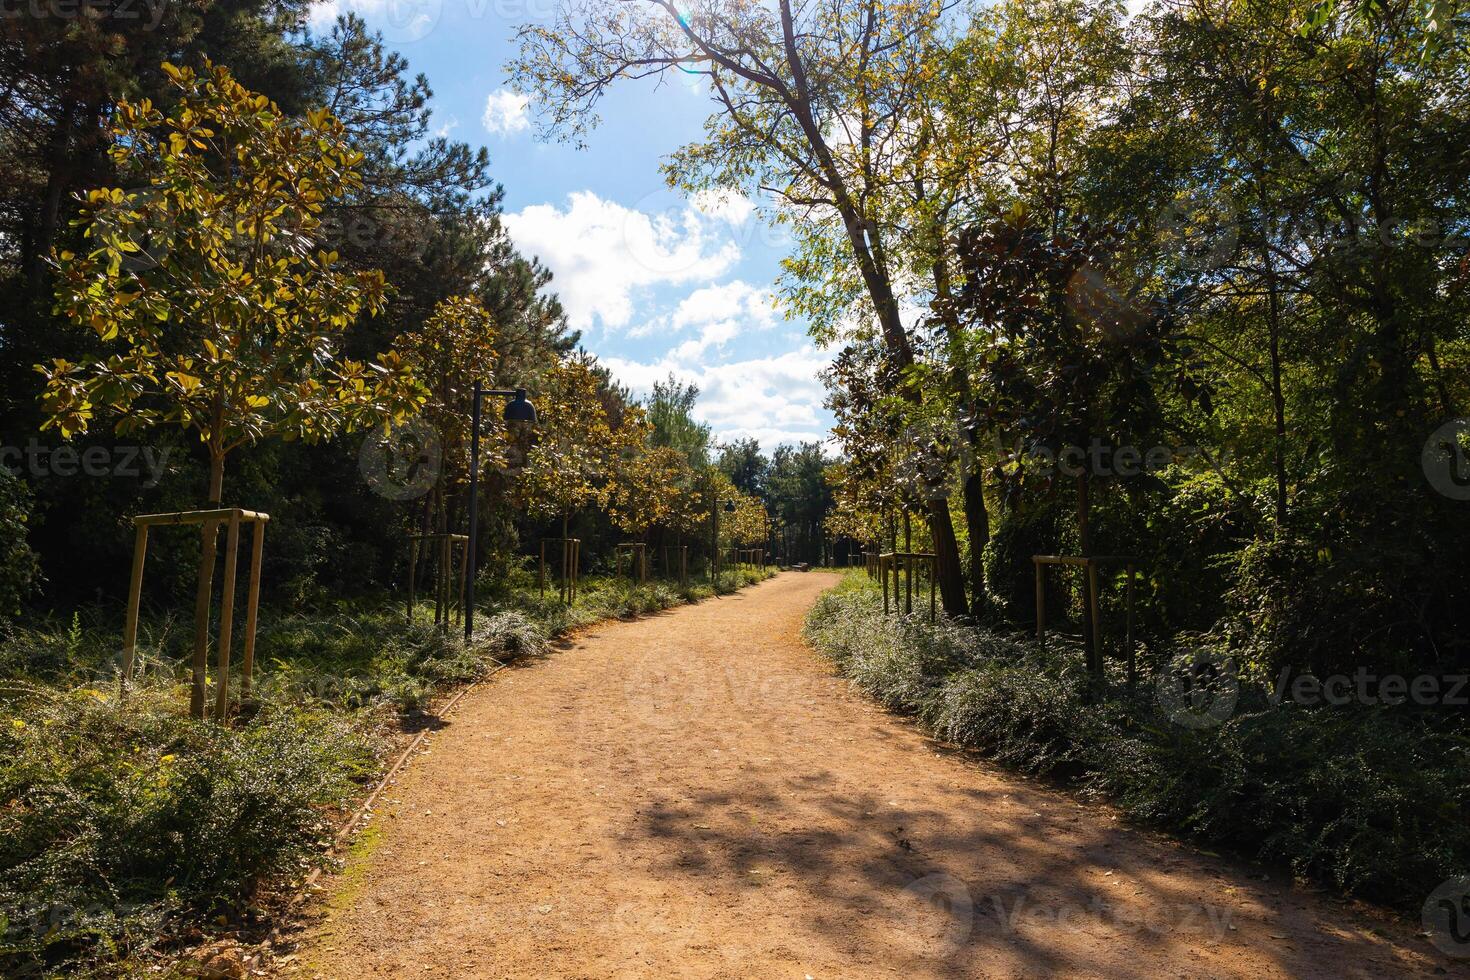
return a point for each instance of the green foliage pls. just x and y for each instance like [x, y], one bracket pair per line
[1033, 530]
[19, 568]
[226, 316]
[1370, 800]
[117, 817]
[568, 467]
[670, 412]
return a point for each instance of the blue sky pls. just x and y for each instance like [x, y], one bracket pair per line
[658, 283]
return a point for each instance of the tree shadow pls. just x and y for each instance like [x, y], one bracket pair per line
[1006, 879]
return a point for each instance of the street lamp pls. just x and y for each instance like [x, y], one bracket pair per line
[518, 409]
[714, 550]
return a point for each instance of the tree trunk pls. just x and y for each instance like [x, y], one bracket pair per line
[880, 291]
[977, 518]
[1273, 326]
[205, 587]
[1084, 539]
[1278, 400]
[977, 525]
[59, 154]
[947, 559]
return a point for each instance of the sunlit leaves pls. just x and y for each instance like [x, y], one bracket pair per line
[749, 525]
[568, 467]
[206, 272]
[450, 351]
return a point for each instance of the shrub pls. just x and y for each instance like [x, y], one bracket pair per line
[1371, 801]
[19, 569]
[115, 817]
[512, 634]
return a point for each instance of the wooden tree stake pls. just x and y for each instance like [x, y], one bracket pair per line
[252, 609]
[227, 622]
[135, 596]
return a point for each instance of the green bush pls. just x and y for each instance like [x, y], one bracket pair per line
[19, 569]
[1010, 576]
[116, 817]
[1371, 801]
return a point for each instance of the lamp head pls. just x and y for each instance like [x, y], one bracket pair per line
[729, 506]
[520, 409]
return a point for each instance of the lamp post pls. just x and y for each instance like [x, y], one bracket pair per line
[714, 550]
[518, 409]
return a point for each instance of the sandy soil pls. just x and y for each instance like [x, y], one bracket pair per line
[697, 795]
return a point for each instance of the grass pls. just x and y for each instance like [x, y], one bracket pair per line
[126, 828]
[1371, 801]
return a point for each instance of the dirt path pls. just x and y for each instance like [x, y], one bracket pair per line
[696, 795]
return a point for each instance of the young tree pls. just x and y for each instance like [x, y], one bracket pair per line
[224, 318]
[567, 468]
[851, 516]
[644, 479]
[452, 350]
[750, 524]
[689, 509]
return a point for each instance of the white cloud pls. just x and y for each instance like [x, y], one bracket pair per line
[714, 334]
[736, 298]
[321, 15]
[719, 313]
[602, 253]
[618, 267]
[772, 399]
[506, 113]
[399, 21]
